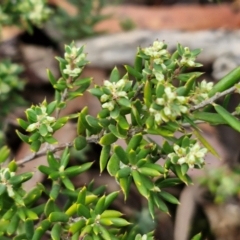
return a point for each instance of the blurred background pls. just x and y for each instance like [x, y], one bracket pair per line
[111, 31]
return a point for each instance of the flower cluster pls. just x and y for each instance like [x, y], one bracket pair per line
[201, 92]
[188, 59]
[192, 155]
[115, 90]
[157, 52]
[223, 183]
[171, 106]
[34, 11]
[39, 12]
[75, 59]
[9, 77]
[4, 18]
[40, 119]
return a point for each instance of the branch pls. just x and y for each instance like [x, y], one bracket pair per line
[213, 99]
[53, 149]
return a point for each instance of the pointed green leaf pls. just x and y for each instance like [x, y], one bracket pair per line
[147, 94]
[169, 197]
[58, 217]
[104, 156]
[4, 153]
[114, 76]
[51, 78]
[205, 143]
[80, 142]
[56, 231]
[231, 120]
[197, 237]
[114, 131]
[226, 82]
[134, 72]
[124, 102]
[113, 165]
[23, 137]
[212, 118]
[108, 139]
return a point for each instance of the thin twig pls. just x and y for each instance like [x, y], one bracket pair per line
[53, 149]
[213, 99]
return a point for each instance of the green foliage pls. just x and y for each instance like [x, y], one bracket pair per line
[23, 13]
[159, 95]
[222, 183]
[166, 107]
[127, 24]
[80, 24]
[10, 86]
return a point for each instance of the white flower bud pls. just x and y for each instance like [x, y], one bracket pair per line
[158, 45]
[50, 119]
[104, 98]
[49, 128]
[157, 117]
[107, 84]
[183, 109]
[170, 95]
[32, 127]
[159, 76]
[162, 52]
[182, 99]
[72, 72]
[190, 63]
[108, 105]
[152, 110]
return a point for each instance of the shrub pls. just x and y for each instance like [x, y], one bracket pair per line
[159, 95]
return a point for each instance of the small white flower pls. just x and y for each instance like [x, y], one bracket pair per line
[80, 58]
[152, 110]
[160, 101]
[50, 119]
[159, 76]
[167, 111]
[121, 94]
[49, 128]
[190, 62]
[157, 117]
[158, 45]
[183, 109]
[108, 105]
[72, 72]
[170, 95]
[162, 52]
[186, 50]
[148, 51]
[107, 84]
[201, 153]
[181, 99]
